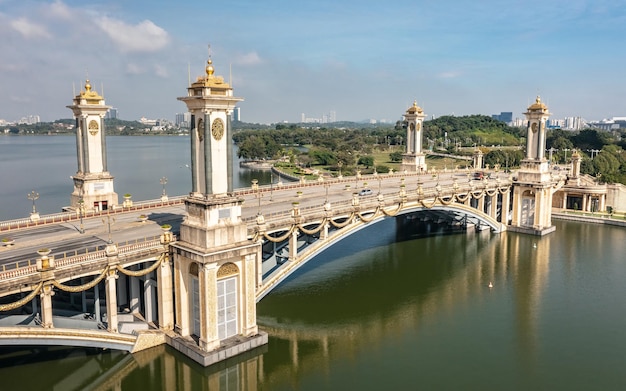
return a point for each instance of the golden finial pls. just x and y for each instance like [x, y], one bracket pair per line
[209, 68]
[87, 86]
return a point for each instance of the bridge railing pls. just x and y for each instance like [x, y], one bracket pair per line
[63, 217]
[446, 189]
[129, 248]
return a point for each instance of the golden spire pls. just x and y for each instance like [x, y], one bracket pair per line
[87, 86]
[209, 68]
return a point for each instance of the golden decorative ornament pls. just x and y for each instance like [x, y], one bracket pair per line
[418, 126]
[217, 129]
[93, 127]
[227, 269]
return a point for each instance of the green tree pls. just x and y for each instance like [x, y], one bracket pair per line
[367, 161]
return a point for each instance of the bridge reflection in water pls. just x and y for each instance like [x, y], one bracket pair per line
[314, 332]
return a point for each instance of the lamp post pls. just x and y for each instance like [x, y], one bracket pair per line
[255, 187]
[81, 212]
[163, 182]
[340, 164]
[33, 195]
[271, 185]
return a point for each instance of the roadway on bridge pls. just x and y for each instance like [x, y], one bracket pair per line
[66, 238]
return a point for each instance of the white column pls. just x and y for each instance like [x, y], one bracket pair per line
[164, 292]
[209, 338]
[111, 298]
[46, 306]
[293, 246]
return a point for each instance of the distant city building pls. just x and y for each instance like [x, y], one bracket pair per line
[556, 123]
[504, 116]
[611, 124]
[237, 114]
[111, 114]
[183, 120]
[30, 120]
[325, 119]
[574, 123]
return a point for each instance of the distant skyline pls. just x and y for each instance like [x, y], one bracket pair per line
[365, 59]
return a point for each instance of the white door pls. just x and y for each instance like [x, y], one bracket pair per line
[227, 307]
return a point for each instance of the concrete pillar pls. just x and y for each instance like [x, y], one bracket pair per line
[493, 210]
[164, 292]
[481, 203]
[564, 204]
[96, 303]
[46, 306]
[149, 299]
[83, 296]
[248, 294]
[584, 202]
[111, 298]
[602, 202]
[181, 296]
[324, 232]
[134, 293]
[209, 338]
[506, 206]
[293, 246]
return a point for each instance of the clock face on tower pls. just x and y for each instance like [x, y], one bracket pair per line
[217, 129]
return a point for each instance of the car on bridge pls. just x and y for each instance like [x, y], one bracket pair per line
[365, 192]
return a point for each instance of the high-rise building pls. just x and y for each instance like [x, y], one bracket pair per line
[111, 114]
[504, 116]
[237, 114]
[182, 120]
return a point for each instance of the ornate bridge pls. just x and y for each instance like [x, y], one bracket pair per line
[58, 298]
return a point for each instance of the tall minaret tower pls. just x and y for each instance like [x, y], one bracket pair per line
[532, 194]
[414, 160]
[93, 184]
[215, 265]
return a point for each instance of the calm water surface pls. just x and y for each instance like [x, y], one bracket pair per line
[45, 164]
[372, 313]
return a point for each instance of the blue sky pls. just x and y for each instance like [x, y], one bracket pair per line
[362, 59]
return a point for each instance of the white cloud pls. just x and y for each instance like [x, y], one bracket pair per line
[449, 75]
[160, 70]
[29, 29]
[143, 37]
[251, 58]
[60, 10]
[134, 69]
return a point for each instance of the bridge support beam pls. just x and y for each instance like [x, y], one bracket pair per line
[506, 207]
[111, 297]
[165, 299]
[293, 246]
[46, 306]
[493, 210]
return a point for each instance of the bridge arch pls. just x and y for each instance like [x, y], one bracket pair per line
[354, 222]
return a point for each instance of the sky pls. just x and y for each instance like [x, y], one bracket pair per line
[362, 59]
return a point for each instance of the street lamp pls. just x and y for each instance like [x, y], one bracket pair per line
[340, 164]
[255, 187]
[272, 185]
[81, 212]
[163, 182]
[33, 195]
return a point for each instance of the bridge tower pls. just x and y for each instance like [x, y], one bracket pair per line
[532, 194]
[215, 265]
[93, 184]
[414, 160]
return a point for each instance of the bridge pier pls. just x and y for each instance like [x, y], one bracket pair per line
[293, 246]
[46, 306]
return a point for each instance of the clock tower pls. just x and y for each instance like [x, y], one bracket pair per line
[533, 188]
[215, 265]
[414, 160]
[93, 184]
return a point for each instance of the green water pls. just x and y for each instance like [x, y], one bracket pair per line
[374, 314]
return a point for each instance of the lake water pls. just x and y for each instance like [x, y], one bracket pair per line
[45, 163]
[375, 313]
